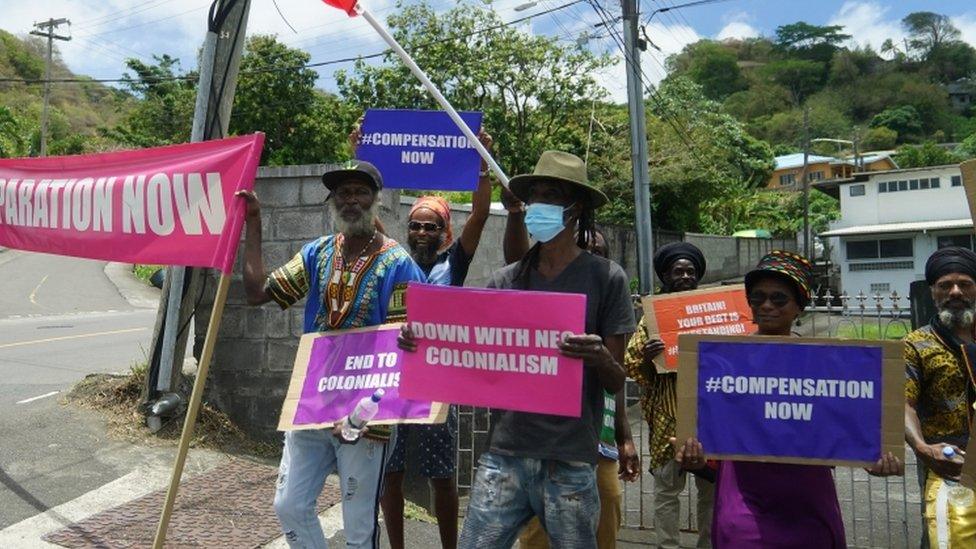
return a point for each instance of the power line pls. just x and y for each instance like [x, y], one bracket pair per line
[117, 14]
[304, 66]
[608, 21]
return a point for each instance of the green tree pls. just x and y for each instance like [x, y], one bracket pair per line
[714, 67]
[302, 125]
[967, 149]
[531, 88]
[164, 111]
[779, 212]
[928, 30]
[928, 154]
[880, 138]
[951, 61]
[14, 135]
[903, 120]
[804, 35]
[800, 77]
[761, 99]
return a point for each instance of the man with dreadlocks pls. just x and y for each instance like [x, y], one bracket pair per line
[680, 266]
[544, 465]
[352, 279]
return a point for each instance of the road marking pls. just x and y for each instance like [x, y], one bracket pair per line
[38, 287]
[32, 399]
[62, 338]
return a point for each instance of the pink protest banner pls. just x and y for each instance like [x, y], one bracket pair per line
[170, 205]
[334, 370]
[494, 348]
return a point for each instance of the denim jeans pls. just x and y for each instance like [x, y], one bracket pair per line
[308, 458]
[508, 491]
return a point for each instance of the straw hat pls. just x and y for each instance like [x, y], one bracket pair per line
[558, 167]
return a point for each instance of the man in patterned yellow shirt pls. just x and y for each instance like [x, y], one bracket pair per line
[679, 267]
[939, 393]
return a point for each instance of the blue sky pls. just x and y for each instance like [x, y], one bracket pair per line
[107, 31]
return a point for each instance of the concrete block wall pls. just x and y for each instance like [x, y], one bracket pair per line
[256, 345]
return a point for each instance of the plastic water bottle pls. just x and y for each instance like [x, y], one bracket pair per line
[959, 495]
[364, 411]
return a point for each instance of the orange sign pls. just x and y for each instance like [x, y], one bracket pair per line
[723, 310]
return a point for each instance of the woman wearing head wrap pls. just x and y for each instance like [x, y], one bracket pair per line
[763, 505]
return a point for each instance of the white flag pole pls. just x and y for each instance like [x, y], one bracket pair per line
[441, 100]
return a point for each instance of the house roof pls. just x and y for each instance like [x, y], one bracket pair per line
[911, 227]
[796, 160]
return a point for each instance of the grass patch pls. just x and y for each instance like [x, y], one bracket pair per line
[118, 397]
[412, 511]
[143, 272]
[871, 330]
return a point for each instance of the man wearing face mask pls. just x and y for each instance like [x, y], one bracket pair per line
[939, 393]
[544, 465]
[679, 267]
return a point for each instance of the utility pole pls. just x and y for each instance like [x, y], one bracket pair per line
[638, 146]
[806, 182]
[219, 62]
[51, 25]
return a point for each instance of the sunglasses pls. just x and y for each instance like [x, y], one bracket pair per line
[418, 225]
[778, 299]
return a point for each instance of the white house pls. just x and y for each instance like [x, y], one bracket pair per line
[891, 221]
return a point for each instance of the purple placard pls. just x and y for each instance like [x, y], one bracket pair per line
[420, 149]
[790, 400]
[344, 368]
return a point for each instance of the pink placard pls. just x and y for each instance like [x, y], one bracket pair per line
[494, 348]
[172, 205]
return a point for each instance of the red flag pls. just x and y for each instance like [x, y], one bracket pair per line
[348, 6]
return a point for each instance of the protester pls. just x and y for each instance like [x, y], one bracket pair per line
[776, 505]
[538, 464]
[616, 446]
[445, 261]
[680, 266]
[939, 393]
[352, 278]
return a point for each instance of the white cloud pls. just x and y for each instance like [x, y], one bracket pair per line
[966, 24]
[737, 29]
[107, 32]
[868, 23]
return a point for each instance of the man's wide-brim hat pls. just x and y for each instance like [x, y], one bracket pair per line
[353, 170]
[558, 167]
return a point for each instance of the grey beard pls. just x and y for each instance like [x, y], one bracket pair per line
[360, 227]
[424, 256]
[957, 318]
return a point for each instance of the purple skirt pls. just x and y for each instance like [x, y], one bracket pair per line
[772, 505]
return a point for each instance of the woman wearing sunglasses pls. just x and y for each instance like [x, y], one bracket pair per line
[774, 505]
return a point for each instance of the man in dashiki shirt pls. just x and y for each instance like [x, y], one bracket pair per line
[353, 278]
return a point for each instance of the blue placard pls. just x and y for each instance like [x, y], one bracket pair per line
[420, 149]
[790, 400]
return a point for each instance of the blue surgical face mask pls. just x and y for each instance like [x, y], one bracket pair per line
[544, 221]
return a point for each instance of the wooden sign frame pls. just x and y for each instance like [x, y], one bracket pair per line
[892, 394]
[438, 410]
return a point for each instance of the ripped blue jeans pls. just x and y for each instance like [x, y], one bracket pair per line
[308, 458]
[508, 491]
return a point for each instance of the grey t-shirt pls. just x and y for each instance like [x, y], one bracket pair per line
[608, 312]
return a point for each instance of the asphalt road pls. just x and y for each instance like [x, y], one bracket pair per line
[60, 319]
